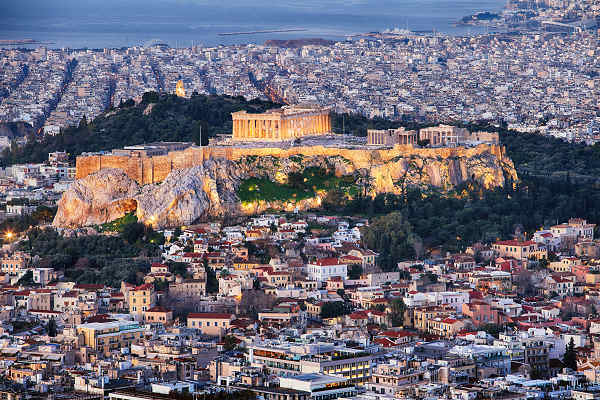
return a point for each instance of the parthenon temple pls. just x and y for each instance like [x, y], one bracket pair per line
[286, 123]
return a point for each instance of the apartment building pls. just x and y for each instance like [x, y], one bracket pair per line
[105, 337]
[141, 299]
[520, 250]
[211, 324]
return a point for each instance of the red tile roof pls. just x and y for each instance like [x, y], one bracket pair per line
[146, 286]
[323, 262]
[517, 243]
[158, 309]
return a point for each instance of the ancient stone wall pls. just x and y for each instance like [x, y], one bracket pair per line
[146, 170]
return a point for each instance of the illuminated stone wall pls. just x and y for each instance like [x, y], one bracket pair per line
[146, 170]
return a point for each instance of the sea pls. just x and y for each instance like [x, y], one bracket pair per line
[183, 23]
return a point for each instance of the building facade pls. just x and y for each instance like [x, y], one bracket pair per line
[391, 137]
[286, 123]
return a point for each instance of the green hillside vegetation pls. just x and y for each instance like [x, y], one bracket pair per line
[300, 186]
[172, 119]
[558, 180]
[418, 222]
[119, 224]
[97, 258]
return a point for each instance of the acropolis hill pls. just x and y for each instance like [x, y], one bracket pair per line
[168, 184]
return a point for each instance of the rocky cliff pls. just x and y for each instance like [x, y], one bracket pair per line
[210, 190]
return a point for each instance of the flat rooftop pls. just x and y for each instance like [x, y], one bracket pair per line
[330, 140]
[317, 378]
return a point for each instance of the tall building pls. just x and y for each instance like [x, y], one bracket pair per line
[141, 299]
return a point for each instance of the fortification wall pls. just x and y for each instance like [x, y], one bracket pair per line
[147, 170]
[363, 158]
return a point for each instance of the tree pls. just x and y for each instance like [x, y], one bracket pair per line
[273, 228]
[431, 277]
[398, 308]
[334, 200]
[133, 232]
[493, 329]
[296, 180]
[83, 122]
[126, 104]
[543, 263]
[355, 271]
[178, 268]
[332, 309]
[51, 328]
[392, 236]
[570, 357]
[150, 97]
[44, 214]
[230, 342]
[26, 279]
[254, 301]
[177, 233]
[212, 283]
[256, 284]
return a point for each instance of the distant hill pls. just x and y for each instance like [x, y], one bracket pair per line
[164, 117]
[169, 118]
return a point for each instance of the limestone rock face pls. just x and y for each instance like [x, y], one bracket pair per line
[96, 199]
[486, 169]
[210, 189]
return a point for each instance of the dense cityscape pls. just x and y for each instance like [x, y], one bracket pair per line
[543, 82]
[397, 215]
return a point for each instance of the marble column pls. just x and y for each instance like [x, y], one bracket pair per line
[271, 126]
[277, 129]
[267, 129]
